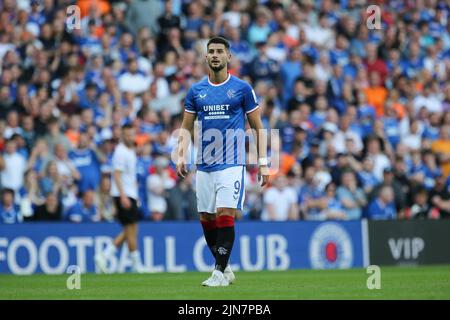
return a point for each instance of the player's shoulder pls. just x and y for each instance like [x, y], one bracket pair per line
[199, 85]
[238, 82]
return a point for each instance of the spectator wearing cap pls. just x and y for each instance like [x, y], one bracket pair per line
[9, 211]
[382, 207]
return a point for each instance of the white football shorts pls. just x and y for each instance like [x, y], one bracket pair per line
[220, 189]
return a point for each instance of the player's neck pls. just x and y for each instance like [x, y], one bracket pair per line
[218, 77]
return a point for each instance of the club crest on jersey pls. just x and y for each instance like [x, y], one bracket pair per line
[231, 93]
[202, 96]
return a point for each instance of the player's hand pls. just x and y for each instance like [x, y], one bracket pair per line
[181, 169]
[125, 202]
[263, 175]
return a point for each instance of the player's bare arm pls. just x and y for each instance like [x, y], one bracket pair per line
[187, 129]
[254, 119]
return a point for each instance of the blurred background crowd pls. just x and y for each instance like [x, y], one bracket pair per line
[363, 113]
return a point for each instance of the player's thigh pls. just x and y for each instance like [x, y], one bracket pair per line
[230, 184]
[206, 199]
[207, 216]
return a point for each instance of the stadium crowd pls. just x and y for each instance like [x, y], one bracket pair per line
[363, 113]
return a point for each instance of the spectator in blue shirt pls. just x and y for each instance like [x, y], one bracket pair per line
[84, 210]
[9, 212]
[263, 67]
[88, 97]
[391, 125]
[352, 198]
[310, 198]
[431, 127]
[366, 177]
[87, 160]
[240, 48]
[334, 208]
[383, 207]
[144, 162]
[290, 70]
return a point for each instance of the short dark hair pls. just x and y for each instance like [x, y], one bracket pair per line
[220, 40]
[8, 190]
[127, 125]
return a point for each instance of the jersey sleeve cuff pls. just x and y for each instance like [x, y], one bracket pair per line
[190, 111]
[252, 109]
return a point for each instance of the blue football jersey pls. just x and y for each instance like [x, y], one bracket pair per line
[220, 110]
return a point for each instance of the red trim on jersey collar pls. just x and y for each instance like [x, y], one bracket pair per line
[219, 84]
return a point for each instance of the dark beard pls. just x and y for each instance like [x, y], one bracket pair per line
[218, 68]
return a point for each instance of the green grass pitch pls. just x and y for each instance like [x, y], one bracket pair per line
[430, 282]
